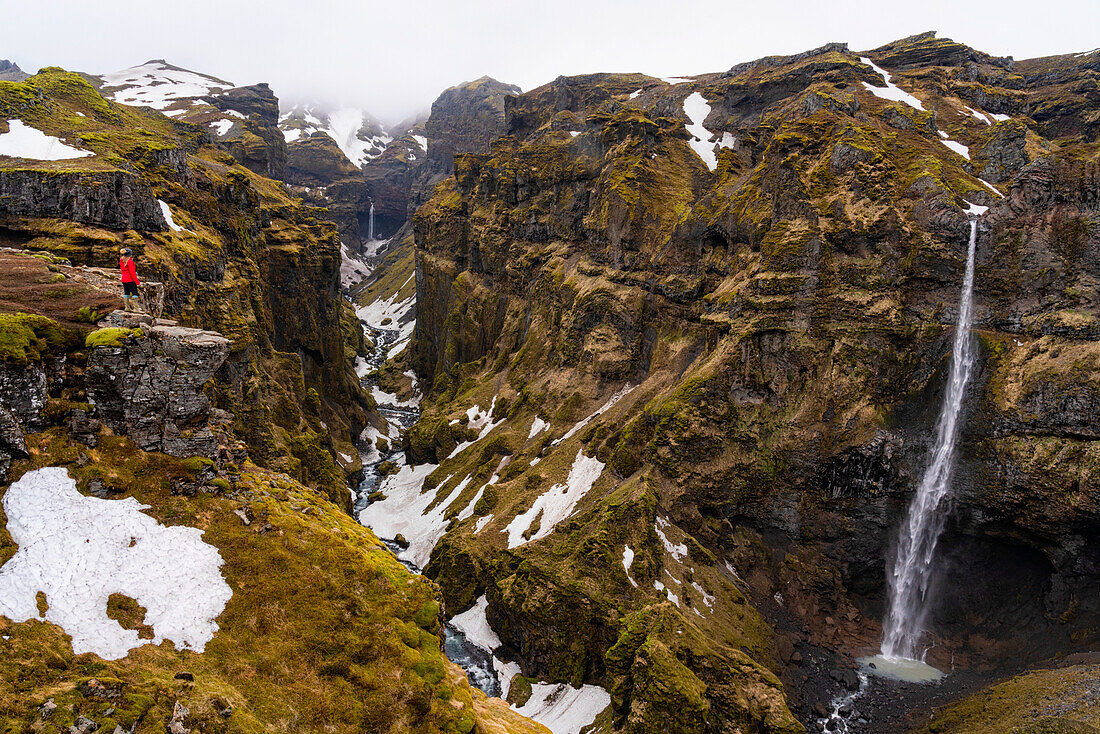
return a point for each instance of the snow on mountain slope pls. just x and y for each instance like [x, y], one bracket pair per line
[175, 91]
[160, 85]
[359, 136]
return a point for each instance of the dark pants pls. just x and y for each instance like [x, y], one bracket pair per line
[129, 289]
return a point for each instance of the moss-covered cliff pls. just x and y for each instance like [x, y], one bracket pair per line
[777, 325]
[240, 256]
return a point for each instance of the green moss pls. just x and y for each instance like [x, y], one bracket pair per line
[519, 692]
[318, 466]
[111, 336]
[1010, 706]
[86, 315]
[73, 90]
[25, 338]
[197, 465]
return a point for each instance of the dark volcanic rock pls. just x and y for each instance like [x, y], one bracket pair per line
[23, 391]
[12, 443]
[1004, 154]
[924, 49]
[114, 199]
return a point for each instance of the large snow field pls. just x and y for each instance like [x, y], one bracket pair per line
[79, 550]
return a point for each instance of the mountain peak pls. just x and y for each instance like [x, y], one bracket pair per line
[10, 71]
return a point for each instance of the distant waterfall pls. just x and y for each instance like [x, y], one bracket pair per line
[912, 571]
[370, 226]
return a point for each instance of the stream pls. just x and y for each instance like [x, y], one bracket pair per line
[399, 416]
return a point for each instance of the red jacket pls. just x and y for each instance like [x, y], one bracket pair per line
[129, 271]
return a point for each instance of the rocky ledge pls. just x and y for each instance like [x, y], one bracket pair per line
[147, 380]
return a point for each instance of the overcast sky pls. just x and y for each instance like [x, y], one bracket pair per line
[394, 58]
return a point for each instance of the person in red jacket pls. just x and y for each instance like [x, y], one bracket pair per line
[130, 280]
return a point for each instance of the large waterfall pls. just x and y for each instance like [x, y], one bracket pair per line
[370, 225]
[911, 574]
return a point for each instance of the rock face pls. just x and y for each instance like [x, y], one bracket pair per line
[317, 160]
[150, 387]
[781, 321]
[259, 145]
[23, 391]
[10, 71]
[465, 119]
[114, 199]
[12, 443]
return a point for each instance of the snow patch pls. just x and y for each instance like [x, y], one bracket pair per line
[634, 94]
[708, 599]
[389, 399]
[697, 109]
[975, 210]
[999, 117]
[468, 511]
[344, 126]
[990, 187]
[537, 427]
[479, 421]
[603, 409]
[369, 438]
[628, 560]
[352, 269]
[557, 503]
[405, 512]
[79, 550]
[23, 141]
[399, 313]
[892, 92]
[563, 709]
[678, 551]
[958, 148]
[473, 624]
[221, 127]
[421, 141]
[167, 212]
[980, 116]
[157, 85]
[664, 589]
[291, 135]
